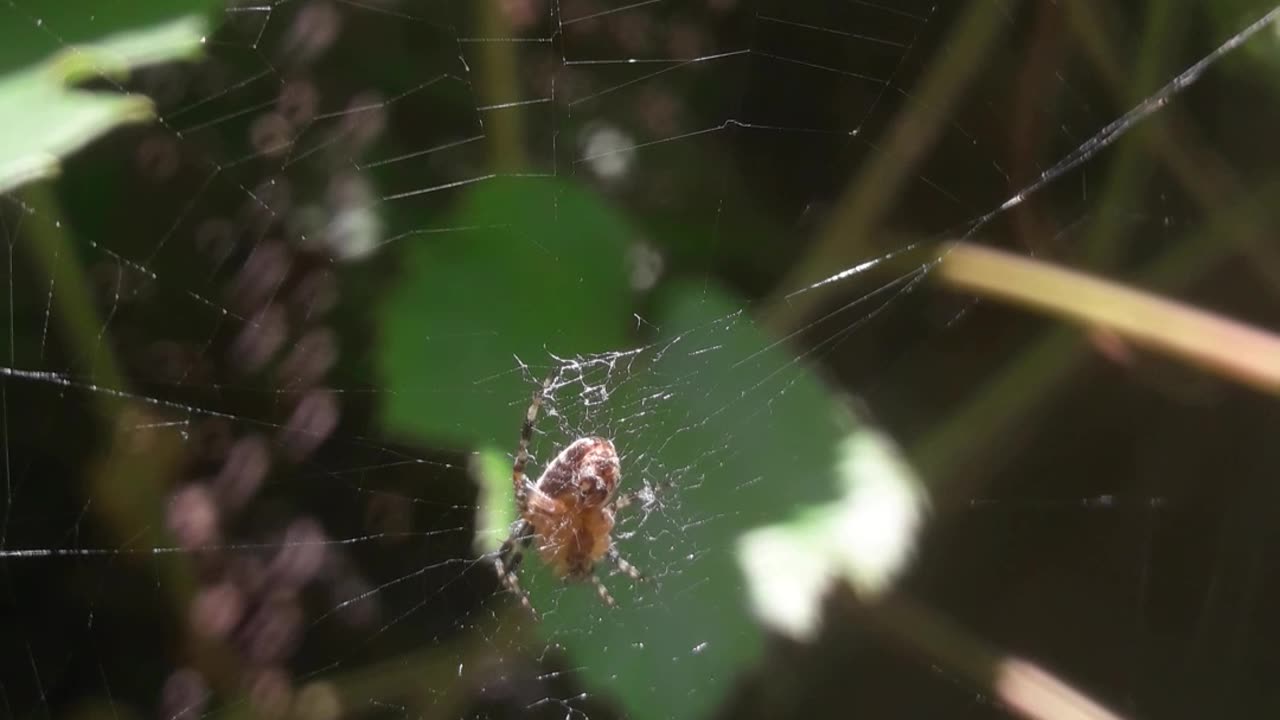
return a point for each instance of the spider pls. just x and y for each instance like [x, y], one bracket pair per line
[569, 509]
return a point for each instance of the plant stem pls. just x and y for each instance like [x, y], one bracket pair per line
[54, 256]
[127, 482]
[992, 413]
[1021, 686]
[1222, 345]
[499, 84]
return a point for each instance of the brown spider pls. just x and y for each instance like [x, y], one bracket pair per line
[569, 510]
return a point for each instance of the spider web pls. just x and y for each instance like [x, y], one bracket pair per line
[266, 354]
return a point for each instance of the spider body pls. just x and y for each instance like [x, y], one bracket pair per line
[568, 507]
[569, 510]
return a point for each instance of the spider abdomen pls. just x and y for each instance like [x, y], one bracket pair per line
[586, 473]
[573, 542]
[568, 507]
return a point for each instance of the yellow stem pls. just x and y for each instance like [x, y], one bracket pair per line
[1222, 345]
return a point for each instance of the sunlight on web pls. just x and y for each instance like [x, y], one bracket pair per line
[212, 351]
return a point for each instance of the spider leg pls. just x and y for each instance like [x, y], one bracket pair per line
[624, 500]
[641, 494]
[517, 555]
[518, 480]
[508, 559]
[616, 558]
[603, 592]
[512, 550]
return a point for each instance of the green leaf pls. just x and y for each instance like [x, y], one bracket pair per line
[33, 30]
[495, 509]
[48, 118]
[533, 266]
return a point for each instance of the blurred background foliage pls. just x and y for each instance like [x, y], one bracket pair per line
[311, 300]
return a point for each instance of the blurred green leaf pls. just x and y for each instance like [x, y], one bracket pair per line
[496, 510]
[33, 30]
[48, 118]
[552, 261]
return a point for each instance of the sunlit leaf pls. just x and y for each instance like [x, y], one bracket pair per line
[496, 510]
[48, 117]
[862, 538]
